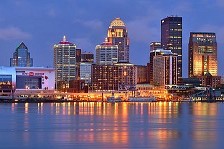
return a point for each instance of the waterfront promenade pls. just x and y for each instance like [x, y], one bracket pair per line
[56, 96]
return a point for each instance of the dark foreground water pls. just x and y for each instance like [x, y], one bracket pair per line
[162, 125]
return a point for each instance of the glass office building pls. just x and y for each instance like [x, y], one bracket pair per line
[21, 57]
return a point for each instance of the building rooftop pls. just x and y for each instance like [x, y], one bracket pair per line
[22, 46]
[64, 41]
[117, 22]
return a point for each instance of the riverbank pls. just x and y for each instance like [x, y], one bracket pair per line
[46, 100]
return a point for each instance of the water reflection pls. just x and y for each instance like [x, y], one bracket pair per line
[114, 125]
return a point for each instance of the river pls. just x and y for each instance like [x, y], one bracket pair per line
[162, 125]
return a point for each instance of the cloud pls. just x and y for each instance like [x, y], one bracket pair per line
[13, 33]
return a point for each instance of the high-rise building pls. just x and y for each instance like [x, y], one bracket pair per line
[165, 68]
[118, 35]
[202, 59]
[64, 62]
[202, 51]
[106, 53]
[171, 38]
[21, 57]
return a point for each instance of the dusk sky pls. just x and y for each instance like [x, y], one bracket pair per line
[42, 23]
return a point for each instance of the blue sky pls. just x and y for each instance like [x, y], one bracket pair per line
[41, 24]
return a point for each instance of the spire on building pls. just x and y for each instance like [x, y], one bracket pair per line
[64, 38]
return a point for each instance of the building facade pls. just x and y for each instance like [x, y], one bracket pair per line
[87, 57]
[153, 53]
[106, 54]
[26, 78]
[120, 76]
[141, 74]
[21, 57]
[86, 72]
[37, 78]
[165, 68]
[118, 35]
[171, 38]
[202, 57]
[78, 55]
[65, 61]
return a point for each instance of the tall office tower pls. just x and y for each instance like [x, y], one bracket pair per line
[171, 38]
[64, 62]
[202, 51]
[165, 68]
[118, 35]
[106, 53]
[155, 46]
[202, 61]
[21, 57]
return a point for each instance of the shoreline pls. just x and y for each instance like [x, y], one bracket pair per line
[45, 100]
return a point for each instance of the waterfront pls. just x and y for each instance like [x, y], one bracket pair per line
[161, 125]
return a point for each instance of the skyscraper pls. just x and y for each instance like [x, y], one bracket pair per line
[202, 62]
[202, 51]
[64, 62]
[171, 38]
[21, 57]
[118, 35]
[106, 53]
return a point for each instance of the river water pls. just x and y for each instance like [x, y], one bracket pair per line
[162, 125]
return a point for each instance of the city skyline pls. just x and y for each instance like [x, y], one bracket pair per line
[41, 25]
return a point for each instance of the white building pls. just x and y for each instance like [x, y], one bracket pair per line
[32, 78]
[65, 61]
[106, 54]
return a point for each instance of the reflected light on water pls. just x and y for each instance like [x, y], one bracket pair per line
[116, 125]
[26, 108]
